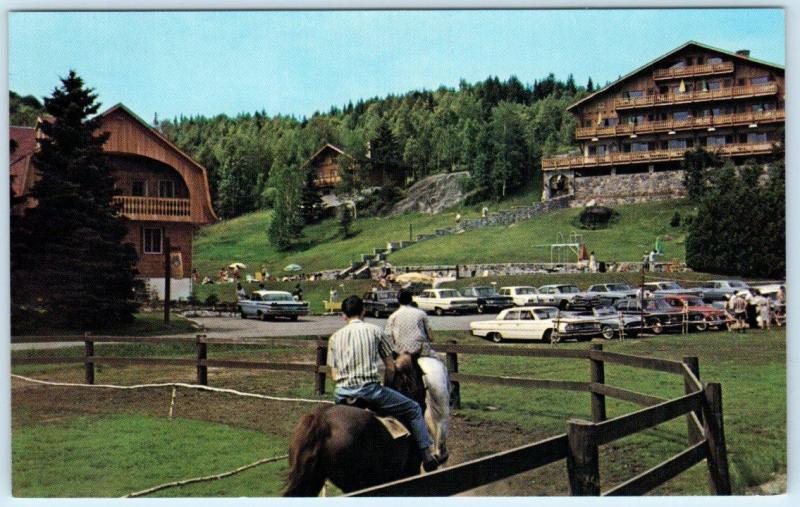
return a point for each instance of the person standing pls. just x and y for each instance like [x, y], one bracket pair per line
[241, 295]
[740, 311]
[409, 330]
[592, 262]
[298, 292]
[354, 354]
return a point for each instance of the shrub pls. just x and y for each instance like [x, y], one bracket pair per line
[212, 299]
[676, 220]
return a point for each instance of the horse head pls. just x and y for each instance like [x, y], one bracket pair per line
[407, 377]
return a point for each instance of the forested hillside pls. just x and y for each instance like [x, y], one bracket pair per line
[497, 130]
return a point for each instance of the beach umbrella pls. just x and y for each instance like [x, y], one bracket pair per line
[413, 277]
[293, 267]
[238, 265]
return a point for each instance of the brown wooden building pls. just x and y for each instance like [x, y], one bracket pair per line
[163, 193]
[325, 162]
[644, 122]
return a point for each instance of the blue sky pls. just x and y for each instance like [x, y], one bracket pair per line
[209, 63]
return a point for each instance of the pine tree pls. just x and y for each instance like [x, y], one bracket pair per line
[589, 85]
[76, 268]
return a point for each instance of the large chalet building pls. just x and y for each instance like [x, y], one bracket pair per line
[163, 193]
[633, 133]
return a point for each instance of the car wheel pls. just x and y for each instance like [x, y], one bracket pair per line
[481, 308]
[701, 326]
[293, 318]
[656, 327]
[438, 311]
[262, 316]
[608, 332]
[376, 313]
[497, 338]
[563, 305]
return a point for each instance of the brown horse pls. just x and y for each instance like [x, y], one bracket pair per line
[350, 447]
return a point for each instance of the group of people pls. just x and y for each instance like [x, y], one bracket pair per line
[356, 353]
[750, 308]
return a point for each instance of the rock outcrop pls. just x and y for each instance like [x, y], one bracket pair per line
[432, 194]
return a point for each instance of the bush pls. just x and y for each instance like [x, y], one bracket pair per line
[212, 299]
[596, 217]
[676, 220]
[379, 201]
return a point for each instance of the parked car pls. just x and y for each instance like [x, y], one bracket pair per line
[521, 295]
[566, 297]
[268, 304]
[441, 301]
[613, 291]
[380, 302]
[658, 315]
[488, 298]
[535, 323]
[664, 287]
[721, 290]
[700, 314]
[610, 319]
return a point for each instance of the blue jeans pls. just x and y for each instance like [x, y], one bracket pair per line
[386, 400]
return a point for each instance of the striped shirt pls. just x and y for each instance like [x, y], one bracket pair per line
[356, 352]
[409, 329]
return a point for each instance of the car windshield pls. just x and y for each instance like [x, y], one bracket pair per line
[452, 293]
[277, 297]
[670, 286]
[604, 311]
[525, 290]
[618, 286]
[657, 305]
[387, 295]
[483, 291]
[737, 284]
[568, 289]
[545, 313]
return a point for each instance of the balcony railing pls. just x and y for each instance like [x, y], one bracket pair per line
[694, 70]
[550, 164]
[154, 208]
[327, 181]
[732, 92]
[723, 120]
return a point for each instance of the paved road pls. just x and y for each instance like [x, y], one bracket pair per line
[235, 327]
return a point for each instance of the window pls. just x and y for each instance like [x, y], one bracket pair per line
[714, 60]
[714, 85]
[610, 122]
[740, 81]
[756, 137]
[727, 83]
[640, 147]
[632, 94]
[166, 188]
[677, 144]
[151, 237]
[138, 188]
[715, 140]
[512, 316]
[700, 60]
[761, 80]
[680, 115]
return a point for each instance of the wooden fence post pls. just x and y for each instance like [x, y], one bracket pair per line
[598, 375]
[88, 365]
[583, 461]
[452, 367]
[202, 355]
[719, 478]
[694, 366]
[321, 361]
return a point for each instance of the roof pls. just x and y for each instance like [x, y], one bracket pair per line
[327, 146]
[668, 54]
[20, 159]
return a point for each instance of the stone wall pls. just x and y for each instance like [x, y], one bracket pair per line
[628, 188]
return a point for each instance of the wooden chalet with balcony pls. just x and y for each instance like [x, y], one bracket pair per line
[633, 134]
[328, 171]
[162, 192]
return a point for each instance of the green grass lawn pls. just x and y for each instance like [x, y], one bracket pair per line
[750, 367]
[113, 455]
[628, 239]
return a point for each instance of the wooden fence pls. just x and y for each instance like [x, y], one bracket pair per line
[579, 445]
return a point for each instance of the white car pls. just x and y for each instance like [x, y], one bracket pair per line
[268, 304]
[521, 295]
[535, 323]
[441, 301]
[565, 296]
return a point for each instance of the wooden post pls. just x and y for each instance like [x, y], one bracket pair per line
[202, 355]
[321, 361]
[455, 386]
[583, 461]
[598, 375]
[167, 279]
[719, 478]
[88, 365]
[694, 366]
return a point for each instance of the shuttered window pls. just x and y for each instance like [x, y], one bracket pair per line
[151, 239]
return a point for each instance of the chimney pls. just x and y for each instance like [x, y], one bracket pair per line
[744, 52]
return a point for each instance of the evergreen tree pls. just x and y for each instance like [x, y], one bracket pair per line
[287, 220]
[75, 266]
[311, 199]
[345, 219]
[590, 85]
[695, 171]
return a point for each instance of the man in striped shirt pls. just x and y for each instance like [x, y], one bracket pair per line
[354, 354]
[410, 331]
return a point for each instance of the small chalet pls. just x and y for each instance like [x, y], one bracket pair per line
[325, 162]
[163, 193]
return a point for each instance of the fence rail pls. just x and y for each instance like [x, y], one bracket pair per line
[579, 446]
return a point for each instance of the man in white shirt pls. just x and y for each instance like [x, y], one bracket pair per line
[408, 327]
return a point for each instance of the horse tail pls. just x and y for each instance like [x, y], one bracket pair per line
[306, 476]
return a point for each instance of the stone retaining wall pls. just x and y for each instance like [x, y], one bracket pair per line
[628, 188]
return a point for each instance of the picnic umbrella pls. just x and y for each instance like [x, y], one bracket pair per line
[413, 277]
[293, 267]
[238, 265]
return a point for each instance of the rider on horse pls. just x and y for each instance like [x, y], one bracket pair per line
[354, 354]
[408, 327]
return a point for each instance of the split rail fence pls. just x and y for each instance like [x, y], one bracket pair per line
[579, 445]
